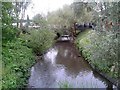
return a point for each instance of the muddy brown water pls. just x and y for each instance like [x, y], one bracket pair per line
[62, 66]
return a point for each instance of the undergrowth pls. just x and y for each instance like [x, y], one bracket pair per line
[16, 62]
[101, 51]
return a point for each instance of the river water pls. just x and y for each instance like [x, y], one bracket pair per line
[62, 66]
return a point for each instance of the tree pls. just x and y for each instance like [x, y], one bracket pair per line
[8, 31]
[40, 20]
[60, 18]
[83, 11]
[20, 8]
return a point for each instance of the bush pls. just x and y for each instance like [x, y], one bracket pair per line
[40, 40]
[101, 51]
[17, 60]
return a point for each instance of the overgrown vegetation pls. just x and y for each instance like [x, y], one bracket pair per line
[100, 47]
[17, 60]
[100, 51]
[39, 40]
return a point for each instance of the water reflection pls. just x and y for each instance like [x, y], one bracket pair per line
[61, 63]
[51, 55]
[42, 75]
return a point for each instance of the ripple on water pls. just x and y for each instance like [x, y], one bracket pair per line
[62, 65]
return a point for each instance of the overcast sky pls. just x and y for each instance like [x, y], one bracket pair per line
[43, 6]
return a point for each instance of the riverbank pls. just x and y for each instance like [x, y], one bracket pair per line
[20, 54]
[94, 54]
[17, 60]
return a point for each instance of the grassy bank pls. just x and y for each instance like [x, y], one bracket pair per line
[101, 51]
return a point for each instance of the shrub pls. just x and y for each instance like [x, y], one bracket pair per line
[17, 60]
[100, 50]
[40, 40]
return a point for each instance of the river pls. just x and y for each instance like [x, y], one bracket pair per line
[62, 66]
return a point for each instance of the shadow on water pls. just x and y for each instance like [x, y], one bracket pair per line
[61, 63]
